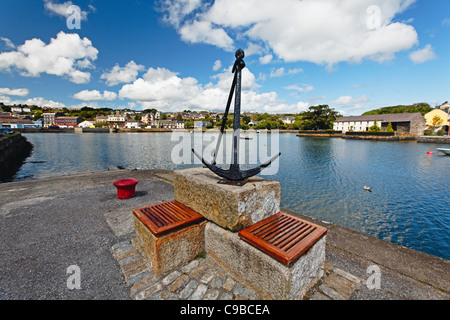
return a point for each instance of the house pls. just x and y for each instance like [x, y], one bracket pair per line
[116, 120]
[48, 119]
[403, 123]
[165, 124]
[101, 119]
[67, 121]
[288, 120]
[16, 109]
[132, 124]
[14, 123]
[87, 124]
[147, 118]
[437, 117]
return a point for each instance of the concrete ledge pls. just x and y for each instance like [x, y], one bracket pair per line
[172, 250]
[231, 207]
[267, 277]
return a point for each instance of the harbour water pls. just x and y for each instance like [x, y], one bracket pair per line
[320, 177]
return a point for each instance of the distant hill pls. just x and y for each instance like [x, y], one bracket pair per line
[417, 107]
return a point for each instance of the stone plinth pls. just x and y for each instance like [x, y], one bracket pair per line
[267, 277]
[231, 207]
[171, 250]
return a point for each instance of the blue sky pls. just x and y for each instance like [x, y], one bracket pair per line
[354, 55]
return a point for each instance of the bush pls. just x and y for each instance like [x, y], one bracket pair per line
[441, 133]
[428, 132]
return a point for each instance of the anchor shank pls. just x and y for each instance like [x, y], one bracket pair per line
[237, 118]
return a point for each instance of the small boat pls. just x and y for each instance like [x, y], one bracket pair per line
[444, 150]
[246, 138]
[368, 189]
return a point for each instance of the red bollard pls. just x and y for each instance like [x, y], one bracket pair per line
[126, 188]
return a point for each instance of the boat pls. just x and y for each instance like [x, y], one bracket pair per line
[246, 138]
[444, 150]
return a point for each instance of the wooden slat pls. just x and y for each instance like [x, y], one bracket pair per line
[283, 237]
[166, 217]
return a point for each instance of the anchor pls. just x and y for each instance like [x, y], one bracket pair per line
[234, 175]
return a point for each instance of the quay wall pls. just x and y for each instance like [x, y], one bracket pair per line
[14, 150]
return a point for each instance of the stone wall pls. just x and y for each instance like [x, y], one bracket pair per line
[13, 151]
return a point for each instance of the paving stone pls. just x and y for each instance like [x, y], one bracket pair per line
[141, 285]
[149, 292]
[211, 294]
[208, 276]
[226, 296]
[190, 287]
[190, 266]
[138, 277]
[229, 284]
[199, 292]
[319, 296]
[179, 283]
[171, 277]
[218, 282]
[330, 292]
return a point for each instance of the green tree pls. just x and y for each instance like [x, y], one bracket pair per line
[319, 117]
[389, 128]
[375, 127]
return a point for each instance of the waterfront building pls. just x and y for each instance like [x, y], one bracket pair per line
[67, 121]
[133, 124]
[147, 118]
[442, 117]
[86, 124]
[116, 120]
[48, 119]
[101, 119]
[403, 123]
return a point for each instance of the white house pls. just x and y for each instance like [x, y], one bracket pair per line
[87, 124]
[133, 124]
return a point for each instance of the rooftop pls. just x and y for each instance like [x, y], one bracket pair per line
[395, 117]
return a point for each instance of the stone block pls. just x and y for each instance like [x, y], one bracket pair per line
[231, 207]
[171, 250]
[264, 275]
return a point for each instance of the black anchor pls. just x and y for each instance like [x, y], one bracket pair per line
[234, 175]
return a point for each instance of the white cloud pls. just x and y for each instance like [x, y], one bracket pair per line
[126, 74]
[324, 32]
[217, 65]
[423, 55]
[281, 72]
[8, 43]
[37, 101]
[14, 92]
[63, 56]
[349, 100]
[95, 95]
[204, 32]
[61, 9]
[300, 89]
[266, 59]
[166, 90]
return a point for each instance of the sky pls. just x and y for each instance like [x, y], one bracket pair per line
[353, 55]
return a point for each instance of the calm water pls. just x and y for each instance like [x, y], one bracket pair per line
[323, 178]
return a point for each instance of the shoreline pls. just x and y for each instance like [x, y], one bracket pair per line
[318, 134]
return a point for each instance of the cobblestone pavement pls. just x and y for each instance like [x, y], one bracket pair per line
[204, 279]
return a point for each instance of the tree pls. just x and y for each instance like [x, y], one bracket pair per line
[437, 121]
[319, 117]
[389, 128]
[375, 127]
